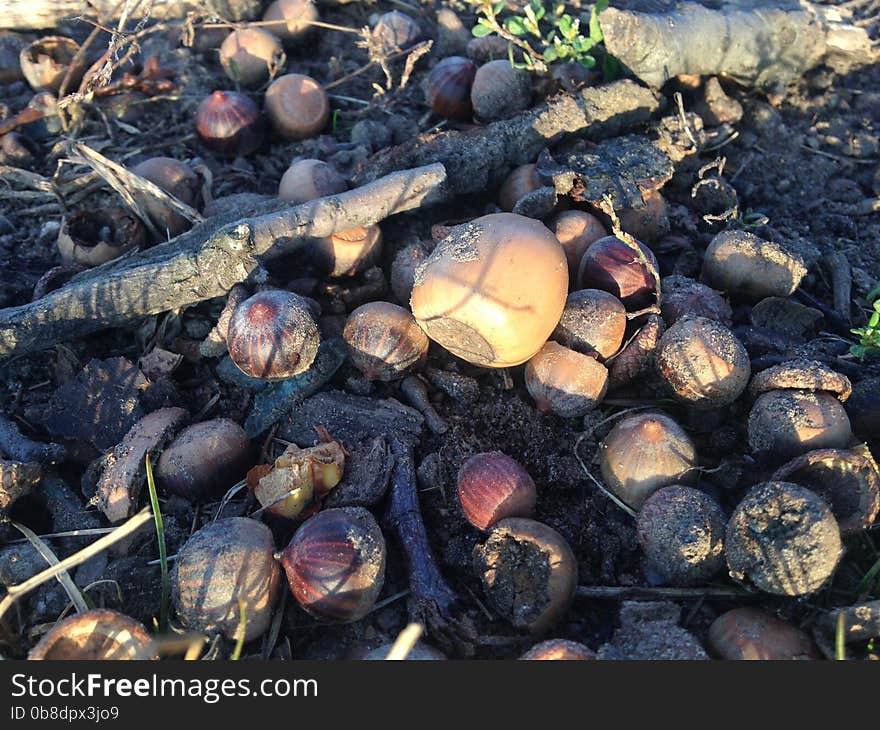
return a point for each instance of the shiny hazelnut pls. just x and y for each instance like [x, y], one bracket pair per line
[205, 459]
[749, 634]
[403, 269]
[703, 363]
[738, 261]
[648, 223]
[559, 650]
[783, 538]
[92, 237]
[564, 382]
[681, 533]
[251, 56]
[273, 335]
[297, 106]
[500, 91]
[644, 452]
[100, 634]
[308, 180]
[335, 564]
[493, 290]
[528, 572]
[46, 61]
[347, 253]
[227, 562]
[612, 265]
[522, 181]
[577, 230]
[785, 423]
[448, 88]
[593, 322]
[175, 178]
[492, 487]
[230, 124]
[384, 341]
[291, 19]
[637, 358]
[395, 31]
[684, 297]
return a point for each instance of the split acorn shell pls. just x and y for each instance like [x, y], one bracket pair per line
[100, 634]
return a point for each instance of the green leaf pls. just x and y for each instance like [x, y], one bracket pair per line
[587, 61]
[550, 54]
[499, 6]
[515, 26]
[874, 321]
[565, 26]
[595, 29]
[857, 351]
[480, 30]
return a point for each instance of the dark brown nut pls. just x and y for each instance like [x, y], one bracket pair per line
[205, 459]
[559, 650]
[93, 237]
[47, 60]
[307, 180]
[11, 46]
[251, 56]
[175, 178]
[681, 532]
[500, 91]
[801, 375]
[684, 297]
[291, 19]
[522, 181]
[347, 253]
[703, 363]
[750, 634]
[644, 452]
[223, 564]
[593, 322]
[637, 358]
[612, 265]
[863, 409]
[297, 106]
[648, 223]
[448, 88]
[528, 572]
[577, 230]
[230, 124]
[740, 262]
[492, 487]
[565, 382]
[384, 341]
[335, 564]
[100, 634]
[783, 538]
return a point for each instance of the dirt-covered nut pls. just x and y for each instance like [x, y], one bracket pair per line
[395, 31]
[847, 479]
[684, 297]
[703, 363]
[297, 106]
[403, 270]
[205, 459]
[612, 265]
[230, 124]
[785, 423]
[227, 562]
[559, 650]
[783, 538]
[576, 231]
[309, 179]
[738, 261]
[681, 532]
[290, 19]
[647, 223]
[419, 653]
[349, 252]
[384, 341]
[521, 181]
[492, 486]
[637, 358]
[46, 61]
[528, 572]
[500, 91]
[100, 634]
[175, 178]
[251, 56]
[749, 634]
[335, 564]
[565, 382]
[92, 237]
[644, 452]
[593, 322]
[493, 290]
[801, 375]
[448, 88]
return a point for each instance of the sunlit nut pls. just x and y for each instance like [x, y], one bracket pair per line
[492, 486]
[624, 270]
[251, 56]
[395, 31]
[297, 106]
[522, 181]
[648, 223]
[500, 91]
[577, 230]
[801, 375]
[564, 382]
[384, 341]
[291, 19]
[593, 321]
[749, 634]
[347, 253]
[307, 180]
[559, 650]
[100, 634]
[175, 178]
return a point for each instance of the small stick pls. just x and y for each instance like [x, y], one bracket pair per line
[416, 394]
[405, 642]
[841, 283]
[19, 447]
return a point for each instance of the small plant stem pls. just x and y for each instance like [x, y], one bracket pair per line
[840, 637]
[163, 554]
[240, 631]
[405, 642]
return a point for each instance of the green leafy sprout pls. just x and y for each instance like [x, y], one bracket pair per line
[869, 335]
[543, 36]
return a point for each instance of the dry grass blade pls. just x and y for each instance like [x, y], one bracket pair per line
[405, 642]
[602, 488]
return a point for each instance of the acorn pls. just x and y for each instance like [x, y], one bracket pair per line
[230, 124]
[492, 487]
[395, 31]
[175, 178]
[349, 252]
[226, 563]
[297, 106]
[612, 265]
[47, 60]
[703, 363]
[681, 533]
[384, 341]
[92, 237]
[564, 382]
[499, 91]
[637, 358]
[529, 573]
[783, 538]
[251, 56]
[644, 452]
[205, 459]
[273, 335]
[335, 564]
[448, 88]
[648, 223]
[684, 297]
[749, 634]
[522, 181]
[291, 19]
[308, 180]
[738, 261]
[493, 290]
[99, 634]
[559, 650]
[593, 322]
[577, 230]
